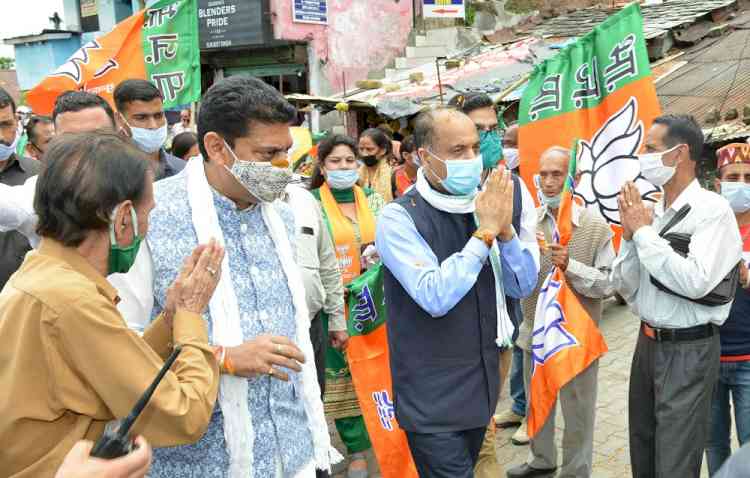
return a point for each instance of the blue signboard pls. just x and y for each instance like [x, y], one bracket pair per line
[443, 9]
[310, 11]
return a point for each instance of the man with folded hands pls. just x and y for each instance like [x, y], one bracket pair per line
[676, 360]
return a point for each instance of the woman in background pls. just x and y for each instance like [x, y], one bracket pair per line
[405, 176]
[350, 212]
[375, 151]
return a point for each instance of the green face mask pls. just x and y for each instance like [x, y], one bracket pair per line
[122, 258]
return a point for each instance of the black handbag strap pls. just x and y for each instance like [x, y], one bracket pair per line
[679, 216]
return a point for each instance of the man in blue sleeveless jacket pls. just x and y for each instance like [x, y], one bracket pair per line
[480, 108]
[444, 285]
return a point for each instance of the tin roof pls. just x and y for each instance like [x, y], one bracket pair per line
[657, 19]
[489, 69]
[715, 77]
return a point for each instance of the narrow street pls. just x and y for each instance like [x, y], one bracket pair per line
[611, 453]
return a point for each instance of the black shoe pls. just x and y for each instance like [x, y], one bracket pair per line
[525, 471]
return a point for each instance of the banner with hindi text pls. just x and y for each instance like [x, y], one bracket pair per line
[599, 92]
[159, 44]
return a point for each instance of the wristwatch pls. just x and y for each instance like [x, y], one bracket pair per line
[487, 237]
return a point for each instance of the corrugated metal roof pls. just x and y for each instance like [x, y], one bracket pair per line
[717, 76]
[657, 19]
[491, 70]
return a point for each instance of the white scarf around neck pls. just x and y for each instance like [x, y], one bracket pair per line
[227, 331]
[466, 205]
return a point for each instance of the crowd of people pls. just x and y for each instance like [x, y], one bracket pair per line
[121, 237]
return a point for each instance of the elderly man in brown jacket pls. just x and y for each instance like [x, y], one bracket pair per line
[586, 262]
[68, 362]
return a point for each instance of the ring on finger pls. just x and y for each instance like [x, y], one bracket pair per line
[211, 270]
[270, 371]
[278, 349]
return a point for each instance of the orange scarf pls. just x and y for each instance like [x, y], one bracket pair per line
[342, 230]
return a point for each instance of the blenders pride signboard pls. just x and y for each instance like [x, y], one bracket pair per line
[230, 23]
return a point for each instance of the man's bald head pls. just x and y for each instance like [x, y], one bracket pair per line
[553, 169]
[556, 154]
[431, 124]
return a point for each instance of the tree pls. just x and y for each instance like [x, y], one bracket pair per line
[7, 63]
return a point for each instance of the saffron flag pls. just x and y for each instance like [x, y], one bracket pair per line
[598, 90]
[565, 340]
[159, 44]
[367, 353]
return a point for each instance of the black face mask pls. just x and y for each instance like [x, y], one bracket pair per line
[370, 161]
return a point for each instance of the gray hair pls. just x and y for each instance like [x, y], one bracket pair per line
[424, 126]
[556, 149]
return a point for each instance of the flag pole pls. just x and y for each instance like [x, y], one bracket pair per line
[513, 87]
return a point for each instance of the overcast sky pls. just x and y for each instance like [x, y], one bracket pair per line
[27, 20]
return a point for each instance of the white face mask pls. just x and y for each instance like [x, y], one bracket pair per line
[7, 150]
[653, 168]
[511, 157]
[148, 140]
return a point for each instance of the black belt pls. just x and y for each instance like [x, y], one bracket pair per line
[678, 335]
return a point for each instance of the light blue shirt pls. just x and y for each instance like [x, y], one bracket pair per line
[437, 287]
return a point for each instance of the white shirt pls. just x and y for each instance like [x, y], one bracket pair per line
[715, 248]
[317, 258]
[178, 128]
[17, 209]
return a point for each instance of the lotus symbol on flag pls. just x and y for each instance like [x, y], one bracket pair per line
[608, 160]
[549, 335]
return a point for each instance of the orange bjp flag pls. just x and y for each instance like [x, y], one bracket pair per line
[598, 90]
[97, 67]
[159, 44]
[368, 357]
[565, 340]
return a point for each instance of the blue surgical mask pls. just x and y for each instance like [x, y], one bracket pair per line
[491, 147]
[738, 195]
[149, 140]
[463, 175]
[7, 150]
[551, 202]
[340, 179]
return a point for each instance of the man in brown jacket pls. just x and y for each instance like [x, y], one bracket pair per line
[68, 362]
[586, 262]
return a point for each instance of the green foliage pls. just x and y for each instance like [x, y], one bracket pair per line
[471, 13]
[7, 63]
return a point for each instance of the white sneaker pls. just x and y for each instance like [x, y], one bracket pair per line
[521, 437]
